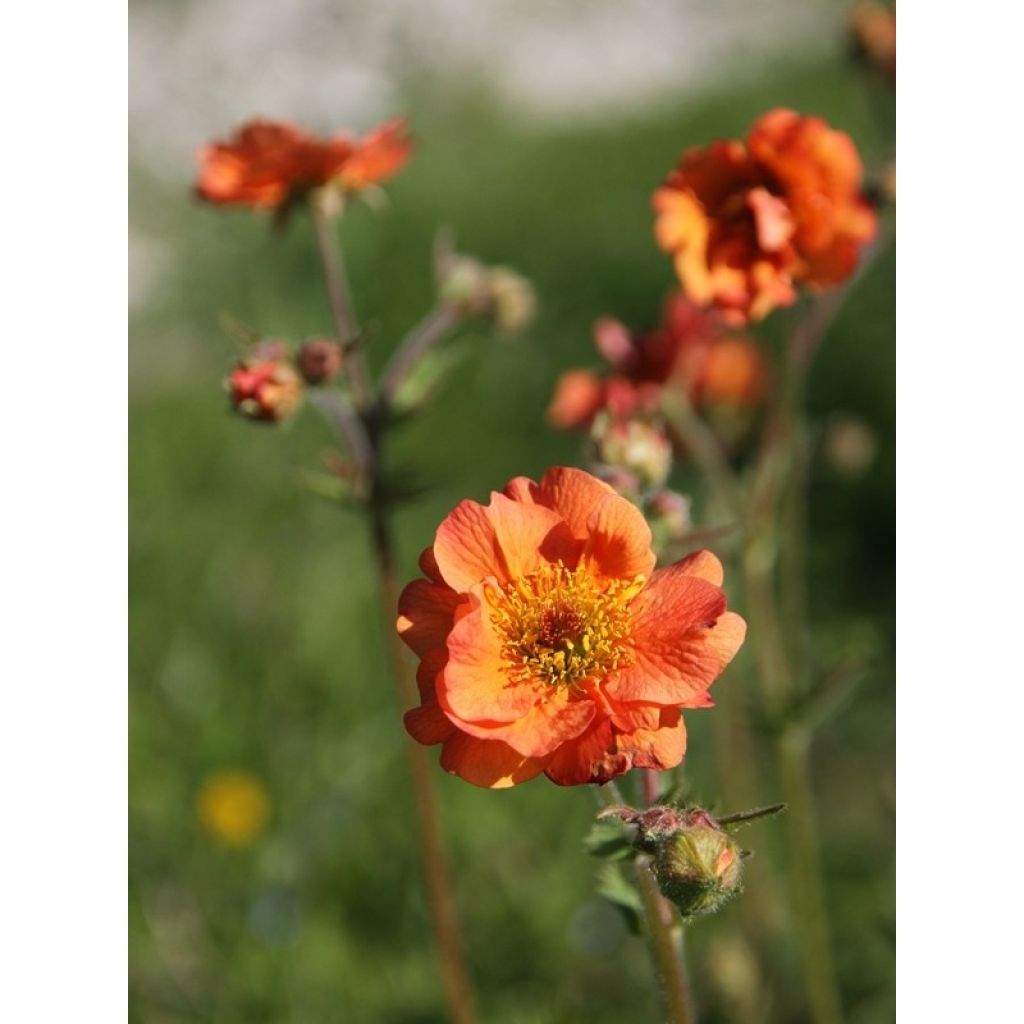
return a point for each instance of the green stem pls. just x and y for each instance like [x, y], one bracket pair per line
[339, 297]
[664, 931]
[434, 326]
[808, 884]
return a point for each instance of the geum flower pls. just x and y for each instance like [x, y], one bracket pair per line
[747, 222]
[690, 350]
[549, 643]
[268, 164]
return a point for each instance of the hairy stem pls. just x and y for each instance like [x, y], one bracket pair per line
[664, 927]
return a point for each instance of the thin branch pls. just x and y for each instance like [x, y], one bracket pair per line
[416, 344]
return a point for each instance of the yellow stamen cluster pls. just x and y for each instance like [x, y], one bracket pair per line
[562, 626]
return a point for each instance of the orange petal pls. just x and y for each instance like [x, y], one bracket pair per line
[703, 564]
[674, 662]
[572, 493]
[658, 741]
[475, 685]
[619, 542]
[428, 725]
[544, 728]
[505, 540]
[426, 614]
[591, 758]
[487, 763]
[727, 636]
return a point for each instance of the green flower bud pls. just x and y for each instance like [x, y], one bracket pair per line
[698, 868]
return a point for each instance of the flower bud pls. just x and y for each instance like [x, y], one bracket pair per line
[634, 445]
[668, 514]
[872, 28]
[319, 360]
[698, 868]
[513, 300]
[473, 289]
[267, 390]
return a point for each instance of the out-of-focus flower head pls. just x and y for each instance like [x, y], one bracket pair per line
[747, 222]
[873, 34]
[639, 447]
[319, 360]
[233, 807]
[265, 386]
[668, 514]
[472, 288]
[268, 164]
[548, 642]
[689, 350]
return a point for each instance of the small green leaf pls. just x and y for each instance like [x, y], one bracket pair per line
[613, 885]
[609, 839]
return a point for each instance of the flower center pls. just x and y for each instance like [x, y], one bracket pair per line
[562, 626]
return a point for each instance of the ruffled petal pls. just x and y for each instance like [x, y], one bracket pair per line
[571, 493]
[704, 564]
[475, 685]
[546, 726]
[487, 763]
[505, 540]
[674, 664]
[426, 614]
[619, 539]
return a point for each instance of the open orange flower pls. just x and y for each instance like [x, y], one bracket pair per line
[549, 643]
[749, 221]
[268, 163]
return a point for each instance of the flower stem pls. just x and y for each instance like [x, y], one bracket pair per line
[664, 927]
[339, 297]
[363, 431]
[440, 894]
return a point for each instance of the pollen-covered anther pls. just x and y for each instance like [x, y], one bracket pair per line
[563, 626]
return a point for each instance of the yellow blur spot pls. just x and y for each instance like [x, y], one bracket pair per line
[233, 807]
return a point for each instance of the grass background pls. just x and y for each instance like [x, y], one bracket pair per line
[256, 642]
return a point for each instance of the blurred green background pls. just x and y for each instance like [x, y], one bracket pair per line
[256, 643]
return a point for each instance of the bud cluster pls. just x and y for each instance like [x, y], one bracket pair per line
[267, 384]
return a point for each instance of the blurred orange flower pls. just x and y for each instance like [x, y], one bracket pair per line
[749, 221]
[548, 642]
[689, 350]
[873, 31]
[233, 807]
[269, 163]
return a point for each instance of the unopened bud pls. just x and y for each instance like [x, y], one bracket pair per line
[266, 390]
[513, 300]
[319, 360]
[698, 868]
[633, 445]
[696, 863]
[668, 514]
[473, 289]
[621, 480]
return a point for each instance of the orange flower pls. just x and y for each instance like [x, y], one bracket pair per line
[549, 643]
[749, 221]
[269, 163]
[689, 350]
[873, 32]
